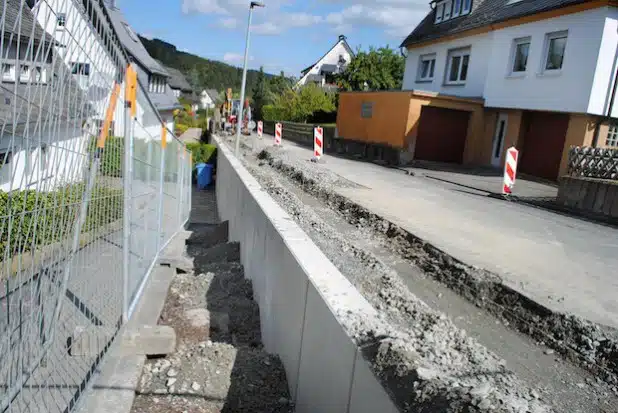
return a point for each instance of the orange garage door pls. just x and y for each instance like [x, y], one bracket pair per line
[543, 144]
[441, 135]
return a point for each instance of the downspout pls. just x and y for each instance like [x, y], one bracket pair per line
[610, 109]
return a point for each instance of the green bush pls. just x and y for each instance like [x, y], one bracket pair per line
[32, 218]
[112, 157]
[202, 152]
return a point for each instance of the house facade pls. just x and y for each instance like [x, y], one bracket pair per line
[333, 62]
[43, 144]
[545, 72]
[151, 75]
[209, 98]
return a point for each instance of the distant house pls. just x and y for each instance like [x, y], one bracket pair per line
[42, 108]
[181, 87]
[209, 98]
[151, 74]
[333, 62]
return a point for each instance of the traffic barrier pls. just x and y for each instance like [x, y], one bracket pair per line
[260, 129]
[318, 142]
[510, 170]
[278, 133]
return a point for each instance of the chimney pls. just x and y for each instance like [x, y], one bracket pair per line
[341, 37]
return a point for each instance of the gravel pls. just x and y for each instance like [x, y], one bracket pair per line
[590, 345]
[220, 364]
[423, 359]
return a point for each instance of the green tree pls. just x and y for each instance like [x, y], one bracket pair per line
[278, 85]
[376, 69]
[300, 105]
[260, 95]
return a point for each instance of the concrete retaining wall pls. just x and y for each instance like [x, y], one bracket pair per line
[596, 196]
[302, 297]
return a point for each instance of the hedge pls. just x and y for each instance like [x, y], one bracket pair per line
[51, 216]
[202, 152]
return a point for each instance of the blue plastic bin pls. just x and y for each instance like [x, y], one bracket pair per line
[204, 175]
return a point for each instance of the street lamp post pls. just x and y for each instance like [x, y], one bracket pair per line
[244, 78]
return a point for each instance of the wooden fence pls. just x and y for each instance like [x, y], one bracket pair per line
[600, 163]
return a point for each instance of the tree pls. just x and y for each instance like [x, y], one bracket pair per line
[376, 69]
[278, 85]
[260, 94]
[300, 105]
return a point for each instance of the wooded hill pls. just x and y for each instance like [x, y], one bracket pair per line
[200, 72]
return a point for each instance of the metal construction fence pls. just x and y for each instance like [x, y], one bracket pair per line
[92, 187]
[601, 163]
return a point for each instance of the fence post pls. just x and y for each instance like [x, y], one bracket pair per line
[181, 170]
[161, 182]
[130, 84]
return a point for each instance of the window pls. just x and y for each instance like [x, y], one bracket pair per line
[426, 68]
[612, 135]
[80, 68]
[61, 20]
[5, 157]
[521, 50]
[457, 68]
[44, 155]
[157, 84]
[449, 9]
[366, 110]
[555, 48]
[467, 5]
[8, 72]
[439, 12]
[24, 73]
[456, 8]
[448, 6]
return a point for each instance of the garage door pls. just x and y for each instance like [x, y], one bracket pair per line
[441, 135]
[543, 144]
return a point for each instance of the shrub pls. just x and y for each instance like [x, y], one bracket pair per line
[38, 218]
[202, 152]
[112, 157]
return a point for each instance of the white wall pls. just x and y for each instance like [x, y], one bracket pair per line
[303, 300]
[568, 91]
[81, 44]
[63, 162]
[606, 68]
[331, 58]
[480, 53]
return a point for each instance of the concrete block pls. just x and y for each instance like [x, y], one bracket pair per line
[590, 195]
[368, 395]
[149, 340]
[327, 360]
[614, 210]
[88, 341]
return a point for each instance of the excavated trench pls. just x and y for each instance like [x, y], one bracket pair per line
[587, 344]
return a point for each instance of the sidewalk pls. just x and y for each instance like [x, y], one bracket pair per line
[565, 264]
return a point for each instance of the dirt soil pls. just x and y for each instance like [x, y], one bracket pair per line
[367, 249]
[219, 364]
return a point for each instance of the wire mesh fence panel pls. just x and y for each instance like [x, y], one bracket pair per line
[86, 185]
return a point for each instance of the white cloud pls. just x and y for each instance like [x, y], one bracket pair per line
[235, 58]
[396, 20]
[228, 23]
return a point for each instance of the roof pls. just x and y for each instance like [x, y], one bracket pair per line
[342, 39]
[24, 28]
[131, 42]
[164, 101]
[177, 80]
[214, 94]
[483, 13]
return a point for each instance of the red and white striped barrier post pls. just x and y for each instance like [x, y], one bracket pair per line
[260, 129]
[278, 133]
[510, 170]
[318, 142]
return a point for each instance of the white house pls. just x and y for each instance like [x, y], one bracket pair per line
[545, 70]
[208, 98]
[42, 109]
[333, 62]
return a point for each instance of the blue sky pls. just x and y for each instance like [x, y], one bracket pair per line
[286, 35]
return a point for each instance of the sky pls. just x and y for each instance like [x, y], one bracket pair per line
[286, 35]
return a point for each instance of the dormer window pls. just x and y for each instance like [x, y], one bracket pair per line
[157, 84]
[449, 9]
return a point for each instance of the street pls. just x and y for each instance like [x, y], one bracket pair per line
[563, 263]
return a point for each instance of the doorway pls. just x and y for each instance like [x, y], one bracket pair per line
[498, 143]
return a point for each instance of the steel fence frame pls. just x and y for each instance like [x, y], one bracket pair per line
[93, 187]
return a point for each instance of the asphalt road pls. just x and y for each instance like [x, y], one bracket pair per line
[562, 262]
